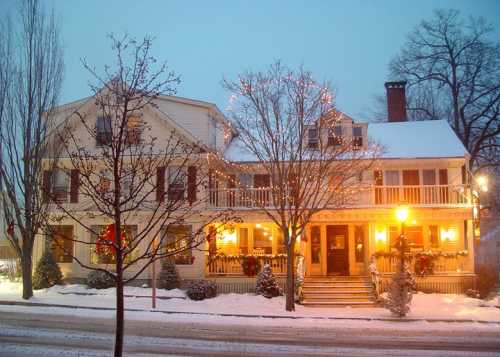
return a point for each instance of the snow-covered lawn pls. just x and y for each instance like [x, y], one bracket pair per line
[424, 306]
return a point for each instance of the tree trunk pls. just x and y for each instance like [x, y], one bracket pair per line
[27, 269]
[119, 306]
[290, 277]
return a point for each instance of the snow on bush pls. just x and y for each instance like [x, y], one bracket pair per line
[169, 278]
[201, 289]
[98, 279]
[267, 285]
[47, 272]
[400, 292]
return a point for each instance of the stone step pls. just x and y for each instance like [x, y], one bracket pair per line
[337, 285]
[337, 291]
[345, 297]
[338, 303]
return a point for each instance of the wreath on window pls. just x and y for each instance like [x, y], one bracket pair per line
[105, 243]
[424, 264]
[251, 265]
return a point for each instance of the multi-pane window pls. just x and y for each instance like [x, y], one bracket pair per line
[280, 242]
[335, 136]
[133, 130]
[359, 241]
[312, 138]
[414, 236]
[391, 178]
[243, 237]
[429, 177]
[61, 241]
[357, 137]
[262, 240]
[315, 244]
[177, 244]
[104, 133]
[106, 255]
[176, 183]
[60, 186]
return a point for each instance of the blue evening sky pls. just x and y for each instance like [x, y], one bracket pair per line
[347, 42]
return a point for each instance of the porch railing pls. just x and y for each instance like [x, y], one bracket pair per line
[435, 195]
[442, 264]
[231, 265]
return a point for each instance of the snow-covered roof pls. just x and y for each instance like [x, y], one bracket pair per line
[417, 139]
[402, 140]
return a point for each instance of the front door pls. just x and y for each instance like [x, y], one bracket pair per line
[337, 244]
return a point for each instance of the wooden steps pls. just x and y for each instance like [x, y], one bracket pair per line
[338, 291]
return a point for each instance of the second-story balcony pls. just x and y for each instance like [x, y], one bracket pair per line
[376, 196]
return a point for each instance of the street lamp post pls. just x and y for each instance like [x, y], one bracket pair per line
[402, 213]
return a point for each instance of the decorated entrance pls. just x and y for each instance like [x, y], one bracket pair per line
[337, 243]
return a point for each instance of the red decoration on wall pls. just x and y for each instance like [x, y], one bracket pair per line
[303, 238]
[10, 229]
[105, 241]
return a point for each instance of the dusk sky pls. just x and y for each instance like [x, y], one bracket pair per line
[347, 42]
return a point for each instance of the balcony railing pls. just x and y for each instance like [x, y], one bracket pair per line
[421, 195]
[236, 197]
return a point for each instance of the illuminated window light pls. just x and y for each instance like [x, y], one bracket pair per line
[381, 236]
[448, 235]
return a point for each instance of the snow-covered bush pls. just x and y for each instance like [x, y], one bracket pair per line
[400, 292]
[267, 285]
[98, 279]
[201, 289]
[11, 269]
[169, 278]
[47, 272]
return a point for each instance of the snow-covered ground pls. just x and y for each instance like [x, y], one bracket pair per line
[424, 306]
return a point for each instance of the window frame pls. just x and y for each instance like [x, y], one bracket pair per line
[104, 137]
[184, 257]
[312, 141]
[67, 258]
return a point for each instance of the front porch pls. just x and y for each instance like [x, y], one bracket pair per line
[439, 258]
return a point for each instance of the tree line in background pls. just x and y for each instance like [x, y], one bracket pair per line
[452, 66]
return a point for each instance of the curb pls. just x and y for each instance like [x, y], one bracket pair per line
[401, 320]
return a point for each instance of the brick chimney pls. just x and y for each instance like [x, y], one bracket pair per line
[396, 101]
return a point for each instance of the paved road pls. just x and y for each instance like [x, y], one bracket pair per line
[24, 334]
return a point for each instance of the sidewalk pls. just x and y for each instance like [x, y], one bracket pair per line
[266, 316]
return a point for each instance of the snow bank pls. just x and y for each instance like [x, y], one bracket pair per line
[424, 306]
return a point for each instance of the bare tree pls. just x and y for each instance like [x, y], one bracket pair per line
[126, 174]
[288, 122]
[453, 69]
[35, 67]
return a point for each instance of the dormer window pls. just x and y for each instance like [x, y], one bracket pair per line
[312, 138]
[335, 136]
[104, 133]
[357, 137]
